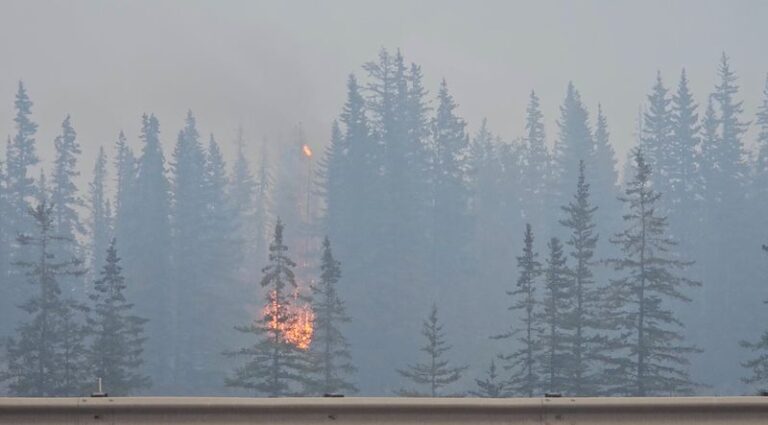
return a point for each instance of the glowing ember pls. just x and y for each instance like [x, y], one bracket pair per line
[307, 151]
[298, 328]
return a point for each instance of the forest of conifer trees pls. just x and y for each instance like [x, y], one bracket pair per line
[413, 254]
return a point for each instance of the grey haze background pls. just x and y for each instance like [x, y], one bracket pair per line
[271, 64]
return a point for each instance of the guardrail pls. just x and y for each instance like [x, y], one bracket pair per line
[230, 411]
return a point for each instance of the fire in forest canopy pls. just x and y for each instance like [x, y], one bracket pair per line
[307, 150]
[298, 328]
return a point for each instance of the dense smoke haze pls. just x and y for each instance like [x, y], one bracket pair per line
[412, 198]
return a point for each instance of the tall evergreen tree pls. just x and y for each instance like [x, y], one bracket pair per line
[100, 222]
[125, 178]
[523, 362]
[436, 372]
[556, 320]
[685, 182]
[64, 193]
[585, 315]
[190, 253]
[21, 156]
[242, 191]
[47, 356]
[146, 255]
[535, 163]
[116, 350]
[263, 202]
[20, 191]
[656, 139]
[274, 365]
[451, 221]
[331, 361]
[574, 144]
[649, 356]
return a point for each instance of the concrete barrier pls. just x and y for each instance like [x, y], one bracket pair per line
[251, 411]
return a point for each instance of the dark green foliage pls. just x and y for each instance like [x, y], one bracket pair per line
[115, 352]
[436, 372]
[330, 358]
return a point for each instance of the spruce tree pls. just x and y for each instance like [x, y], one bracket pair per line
[21, 156]
[684, 178]
[263, 202]
[190, 252]
[331, 361]
[758, 365]
[730, 155]
[47, 357]
[20, 191]
[100, 222]
[584, 317]
[575, 143]
[116, 350]
[648, 355]
[274, 366]
[490, 387]
[451, 221]
[656, 139]
[535, 176]
[523, 362]
[436, 372]
[64, 193]
[556, 320]
[242, 191]
[146, 255]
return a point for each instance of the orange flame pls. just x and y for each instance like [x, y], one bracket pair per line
[307, 151]
[298, 329]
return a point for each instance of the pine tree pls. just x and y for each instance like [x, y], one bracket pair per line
[556, 320]
[451, 222]
[21, 156]
[656, 139]
[274, 365]
[331, 361]
[115, 352]
[146, 255]
[64, 192]
[100, 222]
[523, 362]
[47, 356]
[436, 372]
[190, 252]
[649, 356]
[684, 178]
[584, 317]
[263, 202]
[242, 191]
[758, 366]
[535, 176]
[575, 143]
[604, 178]
[730, 155]
[491, 386]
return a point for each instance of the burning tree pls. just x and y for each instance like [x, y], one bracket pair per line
[277, 362]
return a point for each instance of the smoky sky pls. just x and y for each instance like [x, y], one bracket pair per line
[267, 65]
